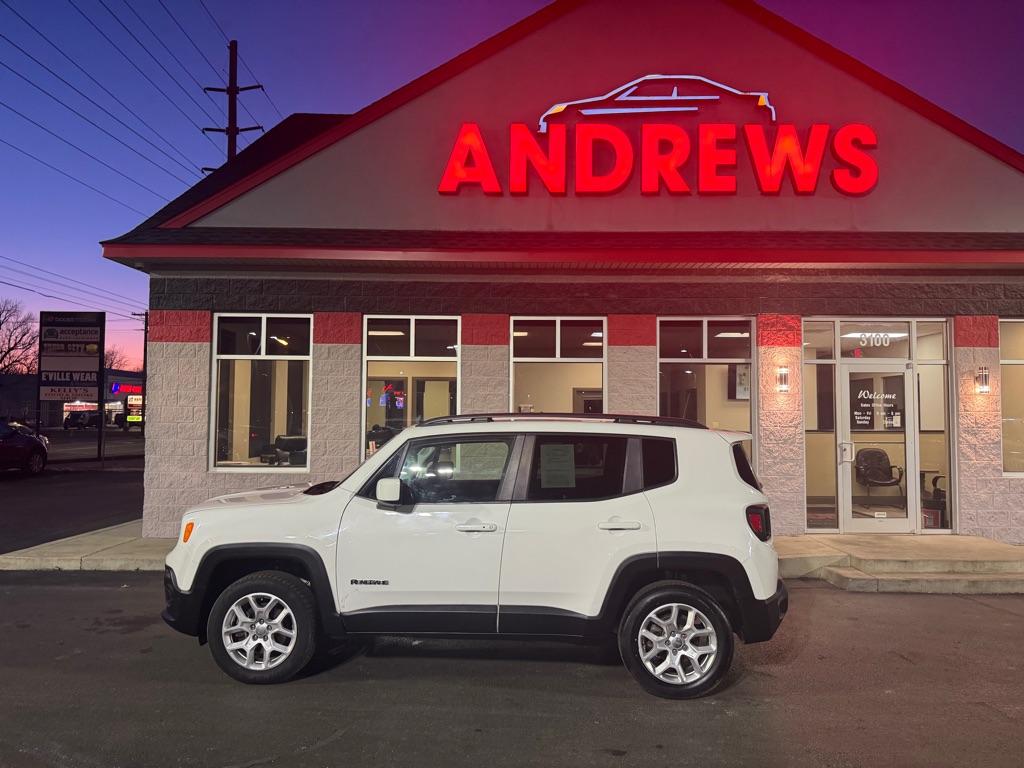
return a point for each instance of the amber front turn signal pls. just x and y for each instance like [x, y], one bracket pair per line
[187, 532]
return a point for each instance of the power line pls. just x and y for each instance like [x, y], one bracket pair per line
[190, 168]
[62, 295]
[142, 72]
[89, 120]
[91, 294]
[200, 51]
[170, 52]
[159, 63]
[244, 64]
[71, 144]
[65, 277]
[60, 298]
[73, 178]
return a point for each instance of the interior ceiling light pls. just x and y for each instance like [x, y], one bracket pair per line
[520, 333]
[591, 343]
[385, 333]
[597, 335]
[733, 335]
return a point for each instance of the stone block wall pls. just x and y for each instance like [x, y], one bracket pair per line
[178, 415]
[989, 504]
[780, 421]
[632, 373]
[484, 378]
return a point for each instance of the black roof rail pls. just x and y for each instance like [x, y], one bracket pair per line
[616, 418]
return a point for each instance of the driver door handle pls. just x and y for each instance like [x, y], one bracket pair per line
[620, 525]
[476, 527]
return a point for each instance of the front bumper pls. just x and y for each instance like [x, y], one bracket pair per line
[183, 609]
[762, 617]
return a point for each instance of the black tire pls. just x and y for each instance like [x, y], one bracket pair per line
[666, 594]
[297, 596]
[35, 463]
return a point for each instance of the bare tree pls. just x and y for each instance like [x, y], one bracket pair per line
[115, 357]
[19, 338]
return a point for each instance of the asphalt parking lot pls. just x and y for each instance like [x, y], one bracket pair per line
[67, 499]
[92, 677]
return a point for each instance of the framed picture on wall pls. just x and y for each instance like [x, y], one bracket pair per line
[738, 386]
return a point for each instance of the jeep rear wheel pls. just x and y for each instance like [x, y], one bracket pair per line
[676, 641]
[262, 628]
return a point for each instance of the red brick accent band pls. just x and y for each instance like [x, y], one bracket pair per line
[779, 331]
[976, 331]
[337, 328]
[479, 330]
[180, 325]
[632, 330]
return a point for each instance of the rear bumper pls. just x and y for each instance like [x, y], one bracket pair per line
[762, 617]
[183, 609]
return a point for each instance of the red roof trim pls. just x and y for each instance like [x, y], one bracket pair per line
[256, 254]
[548, 14]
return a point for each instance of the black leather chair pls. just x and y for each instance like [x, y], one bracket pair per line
[287, 449]
[873, 469]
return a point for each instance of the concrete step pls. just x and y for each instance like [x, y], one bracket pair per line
[924, 565]
[855, 580]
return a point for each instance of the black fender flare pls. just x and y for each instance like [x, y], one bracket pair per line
[305, 556]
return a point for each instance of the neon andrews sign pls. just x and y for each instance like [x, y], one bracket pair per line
[596, 145]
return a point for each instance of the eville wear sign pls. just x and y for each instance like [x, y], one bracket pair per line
[70, 355]
[600, 156]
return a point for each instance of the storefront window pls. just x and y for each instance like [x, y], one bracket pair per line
[714, 389]
[558, 365]
[819, 389]
[411, 374]
[261, 408]
[1011, 354]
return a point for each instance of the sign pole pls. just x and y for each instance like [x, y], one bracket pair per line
[101, 384]
[39, 381]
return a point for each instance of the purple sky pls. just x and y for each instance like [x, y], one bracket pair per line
[337, 57]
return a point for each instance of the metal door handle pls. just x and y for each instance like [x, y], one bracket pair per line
[477, 527]
[620, 525]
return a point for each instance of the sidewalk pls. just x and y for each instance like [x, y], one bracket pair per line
[896, 563]
[118, 548]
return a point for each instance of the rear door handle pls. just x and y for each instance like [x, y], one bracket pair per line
[620, 525]
[477, 527]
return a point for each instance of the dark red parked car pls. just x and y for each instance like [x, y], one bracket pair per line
[21, 449]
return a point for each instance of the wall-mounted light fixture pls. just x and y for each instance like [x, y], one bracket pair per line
[981, 382]
[782, 379]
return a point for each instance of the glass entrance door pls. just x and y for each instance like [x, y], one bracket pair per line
[877, 448]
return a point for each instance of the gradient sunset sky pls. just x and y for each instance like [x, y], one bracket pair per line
[337, 56]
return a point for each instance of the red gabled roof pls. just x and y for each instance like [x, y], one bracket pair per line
[205, 197]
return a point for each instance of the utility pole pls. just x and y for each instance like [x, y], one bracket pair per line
[145, 367]
[233, 89]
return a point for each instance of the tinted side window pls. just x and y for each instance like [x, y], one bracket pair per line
[659, 459]
[743, 466]
[577, 467]
[452, 471]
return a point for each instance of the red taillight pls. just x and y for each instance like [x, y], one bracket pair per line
[760, 521]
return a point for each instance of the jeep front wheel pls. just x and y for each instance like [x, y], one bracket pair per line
[262, 628]
[676, 641]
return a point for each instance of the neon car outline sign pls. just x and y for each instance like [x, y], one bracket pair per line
[625, 101]
[665, 149]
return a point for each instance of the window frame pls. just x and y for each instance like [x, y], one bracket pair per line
[752, 361]
[366, 359]
[1003, 363]
[215, 358]
[632, 473]
[512, 359]
[505, 487]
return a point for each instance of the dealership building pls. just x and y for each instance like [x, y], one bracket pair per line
[688, 209]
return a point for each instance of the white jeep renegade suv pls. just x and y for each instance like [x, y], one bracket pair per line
[650, 530]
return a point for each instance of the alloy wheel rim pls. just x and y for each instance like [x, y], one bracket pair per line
[259, 631]
[35, 463]
[677, 644]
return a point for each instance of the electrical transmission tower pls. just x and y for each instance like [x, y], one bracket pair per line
[232, 90]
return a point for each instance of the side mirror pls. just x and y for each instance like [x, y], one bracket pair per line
[389, 492]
